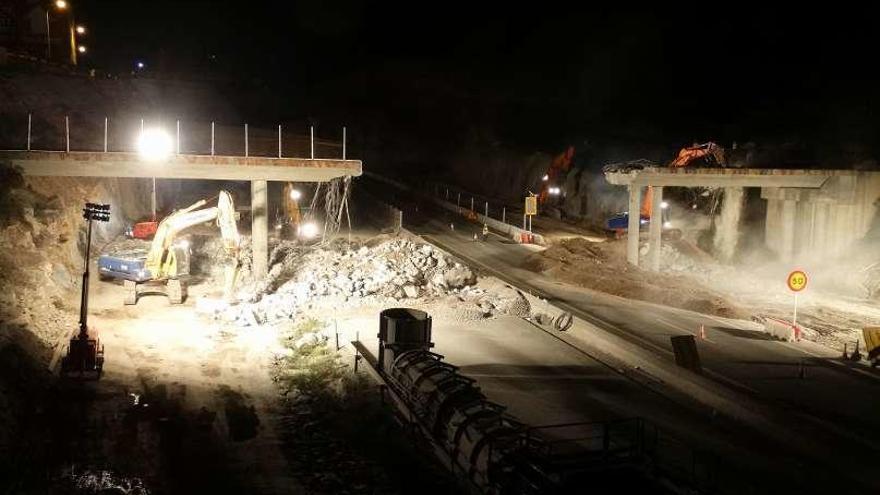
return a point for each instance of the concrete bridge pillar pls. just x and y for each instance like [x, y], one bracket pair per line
[655, 228]
[727, 224]
[632, 232]
[789, 213]
[260, 227]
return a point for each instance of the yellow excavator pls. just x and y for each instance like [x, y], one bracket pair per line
[167, 261]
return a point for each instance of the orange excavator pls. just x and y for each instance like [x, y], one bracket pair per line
[710, 152]
[560, 164]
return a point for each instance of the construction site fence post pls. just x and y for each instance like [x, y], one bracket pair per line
[29, 133]
[503, 214]
[245, 140]
[486, 209]
[178, 136]
[106, 125]
[67, 132]
[279, 143]
[343, 142]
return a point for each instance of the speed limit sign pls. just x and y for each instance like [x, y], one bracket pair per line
[797, 280]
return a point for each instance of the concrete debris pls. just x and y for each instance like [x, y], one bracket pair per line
[100, 482]
[396, 269]
[626, 167]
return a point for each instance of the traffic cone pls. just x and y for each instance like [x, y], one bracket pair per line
[702, 332]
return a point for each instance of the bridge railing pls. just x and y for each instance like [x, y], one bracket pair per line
[32, 132]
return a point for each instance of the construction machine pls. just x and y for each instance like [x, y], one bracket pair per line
[166, 262]
[289, 219]
[560, 164]
[711, 152]
[618, 224]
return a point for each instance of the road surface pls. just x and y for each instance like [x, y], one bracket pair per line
[834, 405]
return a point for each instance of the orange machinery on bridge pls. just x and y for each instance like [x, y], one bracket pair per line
[710, 152]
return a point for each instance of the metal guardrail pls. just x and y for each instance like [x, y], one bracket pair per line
[186, 137]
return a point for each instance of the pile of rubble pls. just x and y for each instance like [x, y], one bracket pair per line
[399, 269]
[395, 270]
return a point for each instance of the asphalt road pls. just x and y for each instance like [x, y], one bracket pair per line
[834, 402]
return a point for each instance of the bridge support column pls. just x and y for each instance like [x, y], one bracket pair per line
[789, 213]
[632, 232]
[260, 227]
[655, 227]
[727, 224]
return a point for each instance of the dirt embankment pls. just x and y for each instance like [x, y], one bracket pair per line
[42, 237]
[603, 267]
[42, 240]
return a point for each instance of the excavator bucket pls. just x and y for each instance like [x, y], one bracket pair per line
[84, 359]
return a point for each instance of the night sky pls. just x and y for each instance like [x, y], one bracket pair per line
[531, 77]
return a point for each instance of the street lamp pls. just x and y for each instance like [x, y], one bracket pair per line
[80, 29]
[81, 49]
[62, 5]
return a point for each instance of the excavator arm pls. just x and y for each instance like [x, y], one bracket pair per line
[162, 262]
[711, 151]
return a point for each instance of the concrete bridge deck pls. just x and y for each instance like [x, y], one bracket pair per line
[122, 164]
[259, 170]
[723, 177]
[849, 193]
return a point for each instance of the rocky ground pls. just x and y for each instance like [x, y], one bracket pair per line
[833, 312]
[381, 271]
[602, 266]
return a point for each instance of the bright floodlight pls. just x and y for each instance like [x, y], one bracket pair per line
[295, 194]
[81, 49]
[664, 205]
[154, 145]
[60, 4]
[554, 191]
[545, 178]
[80, 30]
[308, 230]
[667, 224]
[140, 65]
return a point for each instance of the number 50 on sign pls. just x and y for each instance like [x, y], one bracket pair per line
[797, 280]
